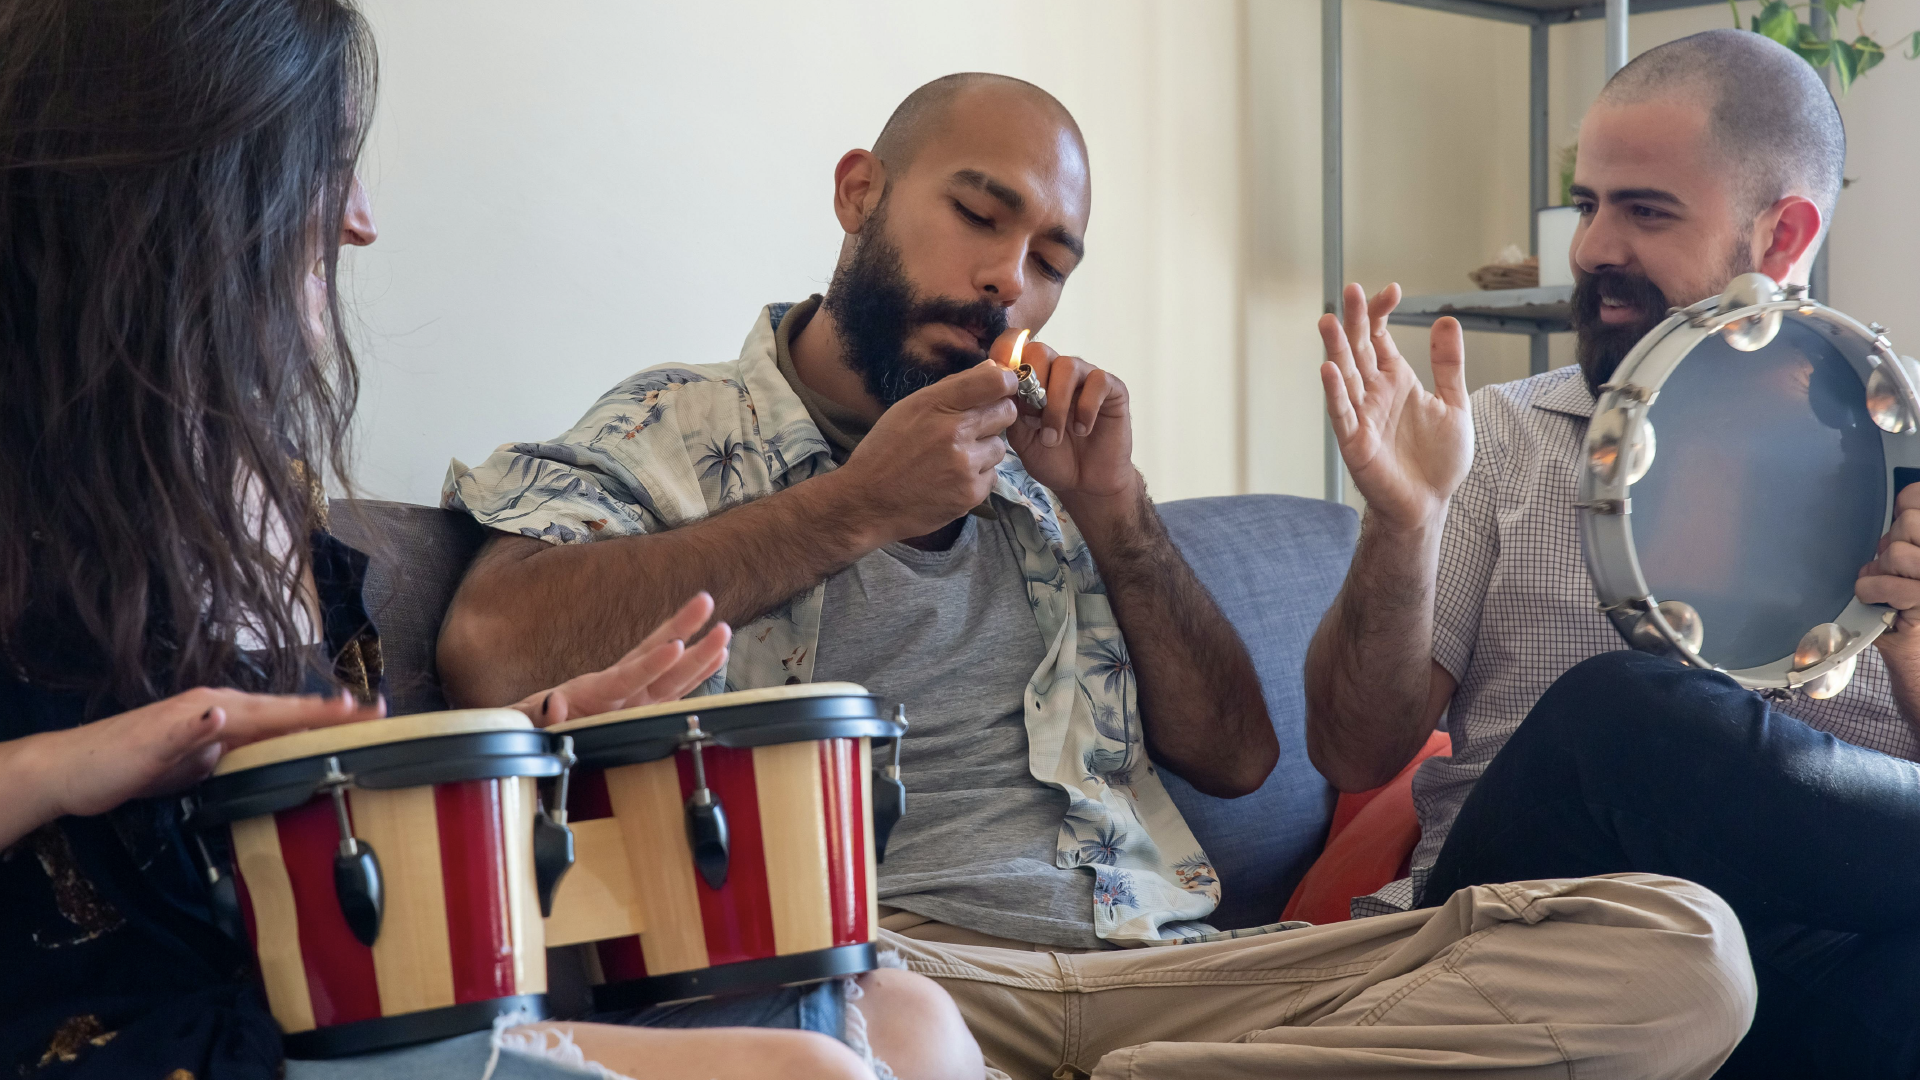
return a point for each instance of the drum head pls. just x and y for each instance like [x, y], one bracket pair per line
[1768, 493]
[398, 752]
[803, 712]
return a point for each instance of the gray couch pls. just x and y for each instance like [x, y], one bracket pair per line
[1273, 562]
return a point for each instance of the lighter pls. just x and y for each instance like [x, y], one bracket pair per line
[1029, 393]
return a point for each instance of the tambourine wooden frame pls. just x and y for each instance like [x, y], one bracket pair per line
[1605, 503]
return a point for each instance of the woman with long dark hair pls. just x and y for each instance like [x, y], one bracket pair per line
[176, 182]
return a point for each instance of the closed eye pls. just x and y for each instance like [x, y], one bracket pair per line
[1048, 270]
[972, 218]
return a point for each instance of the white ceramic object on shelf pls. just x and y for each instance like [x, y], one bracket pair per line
[1556, 243]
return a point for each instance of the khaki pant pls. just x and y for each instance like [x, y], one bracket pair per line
[1628, 975]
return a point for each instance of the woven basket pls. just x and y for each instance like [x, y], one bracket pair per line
[1524, 275]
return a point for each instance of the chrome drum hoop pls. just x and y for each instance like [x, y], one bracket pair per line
[1604, 494]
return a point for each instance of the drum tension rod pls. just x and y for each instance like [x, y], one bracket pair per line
[706, 818]
[553, 852]
[224, 895]
[356, 869]
[889, 794]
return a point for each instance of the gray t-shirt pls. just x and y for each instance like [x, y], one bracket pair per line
[950, 635]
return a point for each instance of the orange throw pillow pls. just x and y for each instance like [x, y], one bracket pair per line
[1369, 844]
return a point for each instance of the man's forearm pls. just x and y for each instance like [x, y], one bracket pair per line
[1369, 672]
[531, 615]
[1200, 700]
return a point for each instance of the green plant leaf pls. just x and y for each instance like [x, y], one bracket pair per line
[1846, 65]
[1869, 52]
[1913, 45]
[1778, 22]
[1812, 48]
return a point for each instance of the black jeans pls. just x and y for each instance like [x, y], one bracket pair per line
[1631, 762]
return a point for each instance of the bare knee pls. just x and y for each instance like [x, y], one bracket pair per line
[700, 1053]
[916, 1028]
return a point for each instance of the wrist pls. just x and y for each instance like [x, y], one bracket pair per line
[838, 511]
[1419, 527]
[1123, 507]
[32, 767]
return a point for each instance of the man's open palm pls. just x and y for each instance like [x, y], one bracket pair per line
[1406, 449]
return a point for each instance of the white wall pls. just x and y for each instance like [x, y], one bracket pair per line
[573, 190]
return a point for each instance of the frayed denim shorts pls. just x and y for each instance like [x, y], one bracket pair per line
[501, 1055]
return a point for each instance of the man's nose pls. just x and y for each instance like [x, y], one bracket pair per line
[1003, 280]
[1599, 243]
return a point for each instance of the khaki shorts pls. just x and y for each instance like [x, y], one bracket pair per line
[1628, 975]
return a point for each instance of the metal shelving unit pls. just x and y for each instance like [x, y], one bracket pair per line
[1534, 312]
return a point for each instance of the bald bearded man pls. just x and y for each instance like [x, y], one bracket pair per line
[846, 492]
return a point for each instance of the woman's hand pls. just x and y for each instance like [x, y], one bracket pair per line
[664, 667]
[159, 749]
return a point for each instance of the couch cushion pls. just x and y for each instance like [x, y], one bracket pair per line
[1273, 564]
[428, 550]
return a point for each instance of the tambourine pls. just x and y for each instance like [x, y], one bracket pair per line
[1785, 431]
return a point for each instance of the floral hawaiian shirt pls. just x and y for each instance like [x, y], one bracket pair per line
[673, 444]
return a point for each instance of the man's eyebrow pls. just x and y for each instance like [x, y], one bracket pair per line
[1017, 203]
[1059, 235]
[974, 178]
[1643, 195]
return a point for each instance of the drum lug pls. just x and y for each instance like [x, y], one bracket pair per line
[552, 839]
[357, 884]
[706, 818]
[223, 895]
[889, 794]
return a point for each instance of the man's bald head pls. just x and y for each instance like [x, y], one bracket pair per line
[1769, 114]
[927, 112]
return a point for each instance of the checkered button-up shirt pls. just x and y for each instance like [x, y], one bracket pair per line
[1514, 608]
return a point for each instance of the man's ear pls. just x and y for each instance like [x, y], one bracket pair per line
[1785, 235]
[858, 182]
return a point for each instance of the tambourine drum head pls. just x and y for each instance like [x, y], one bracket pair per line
[1767, 495]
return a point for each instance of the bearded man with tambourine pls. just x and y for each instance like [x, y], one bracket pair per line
[1640, 655]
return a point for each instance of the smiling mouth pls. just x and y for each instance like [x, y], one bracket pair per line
[1615, 310]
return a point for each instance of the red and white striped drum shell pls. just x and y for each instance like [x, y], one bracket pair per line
[801, 871]
[461, 918]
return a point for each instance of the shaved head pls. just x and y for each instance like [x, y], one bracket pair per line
[1770, 116]
[927, 112]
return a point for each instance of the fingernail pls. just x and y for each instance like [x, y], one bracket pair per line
[1049, 437]
[544, 702]
[1080, 429]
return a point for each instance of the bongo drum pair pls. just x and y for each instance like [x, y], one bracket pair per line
[392, 875]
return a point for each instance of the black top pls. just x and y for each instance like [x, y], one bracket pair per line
[111, 963]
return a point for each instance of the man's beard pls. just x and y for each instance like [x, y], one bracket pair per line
[1601, 346]
[875, 309]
